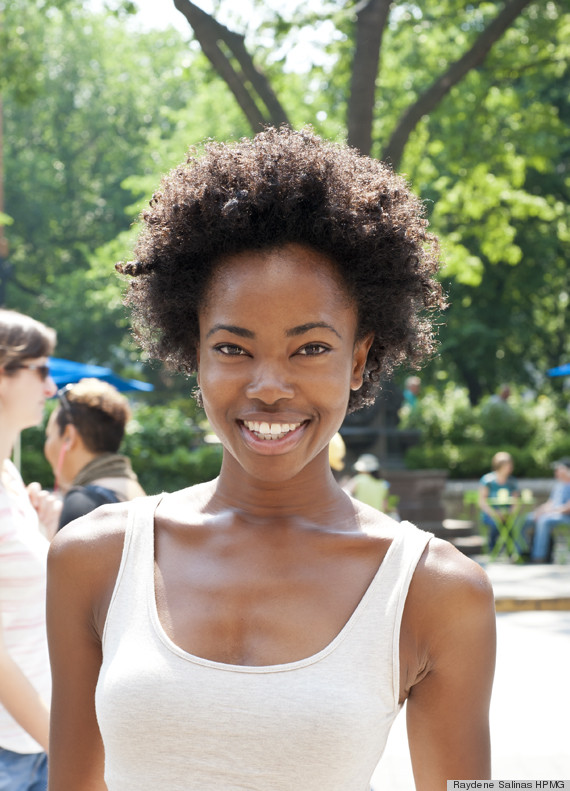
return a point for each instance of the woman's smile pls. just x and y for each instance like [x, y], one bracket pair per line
[270, 431]
[272, 438]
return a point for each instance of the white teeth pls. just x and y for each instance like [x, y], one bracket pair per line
[270, 431]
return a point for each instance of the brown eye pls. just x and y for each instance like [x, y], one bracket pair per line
[312, 349]
[230, 349]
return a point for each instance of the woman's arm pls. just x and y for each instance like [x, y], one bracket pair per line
[83, 563]
[448, 709]
[21, 699]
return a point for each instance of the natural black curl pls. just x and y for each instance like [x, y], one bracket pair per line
[280, 187]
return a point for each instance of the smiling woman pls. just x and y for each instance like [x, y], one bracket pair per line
[264, 629]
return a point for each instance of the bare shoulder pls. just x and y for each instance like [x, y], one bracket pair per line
[447, 592]
[446, 570]
[84, 560]
[374, 523]
[92, 536]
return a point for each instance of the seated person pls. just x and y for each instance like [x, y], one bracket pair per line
[368, 486]
[499, 480]
[555, 511]
[83, 436]
[337, 453]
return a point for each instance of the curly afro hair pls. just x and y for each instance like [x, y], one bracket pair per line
[280, 187]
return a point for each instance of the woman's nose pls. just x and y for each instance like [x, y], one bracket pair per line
[50, 387]
[269, 384]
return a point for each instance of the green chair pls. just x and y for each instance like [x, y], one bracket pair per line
[472, 511]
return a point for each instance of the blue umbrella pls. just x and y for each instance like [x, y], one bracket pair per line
[64, 372]
[561, 370]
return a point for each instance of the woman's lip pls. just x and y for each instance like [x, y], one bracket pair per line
[265, 418]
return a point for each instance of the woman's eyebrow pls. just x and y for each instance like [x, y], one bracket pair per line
[312, 325]
[241, 331]
[293, 332]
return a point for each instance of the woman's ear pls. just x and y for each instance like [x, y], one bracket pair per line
[359, 357]
[70, 436]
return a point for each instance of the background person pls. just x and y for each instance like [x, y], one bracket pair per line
[411, 391]
[25, 685]
[83, 436]
[250, 632]
[367, 485]
[555, 511]
[499, 482]
[337, 454]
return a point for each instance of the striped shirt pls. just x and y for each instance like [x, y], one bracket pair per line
[23, 555]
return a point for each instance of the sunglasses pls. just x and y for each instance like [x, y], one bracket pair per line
[64, 402]
[43, 370]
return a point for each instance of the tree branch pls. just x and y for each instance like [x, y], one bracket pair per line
[241, 82]
[430, 99]
[371, 18]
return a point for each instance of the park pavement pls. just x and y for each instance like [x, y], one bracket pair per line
[530, 707]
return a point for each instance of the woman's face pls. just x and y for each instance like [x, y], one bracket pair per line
[277, 357]
[23, 394]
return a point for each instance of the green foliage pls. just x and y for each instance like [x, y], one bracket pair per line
[95, 111]
[492, 163]
[34, 465]
[106, 94]
[463, 439]
[166, 448]
[164, 443]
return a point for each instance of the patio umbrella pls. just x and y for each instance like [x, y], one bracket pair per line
[560, 370]
[64, 372]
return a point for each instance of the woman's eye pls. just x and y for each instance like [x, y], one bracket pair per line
[229, 349]
[313, 348]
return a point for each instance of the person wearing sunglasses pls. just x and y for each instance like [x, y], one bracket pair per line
[27, 519]
[83, 436]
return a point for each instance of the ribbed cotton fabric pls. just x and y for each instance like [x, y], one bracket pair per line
[171, 720]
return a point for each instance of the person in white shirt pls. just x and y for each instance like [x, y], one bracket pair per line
[28, 519]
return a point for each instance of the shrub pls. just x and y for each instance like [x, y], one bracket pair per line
[463, 439]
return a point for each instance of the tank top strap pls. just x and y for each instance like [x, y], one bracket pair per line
[136, 570]
[388, 591]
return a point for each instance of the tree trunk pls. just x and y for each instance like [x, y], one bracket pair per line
[246, 83]
[430, 99]
[371, 20]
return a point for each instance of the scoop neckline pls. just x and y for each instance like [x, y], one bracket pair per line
[274, 668]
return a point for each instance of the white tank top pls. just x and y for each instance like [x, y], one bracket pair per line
[172, 720]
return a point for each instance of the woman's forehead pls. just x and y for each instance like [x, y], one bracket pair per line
[294, 266]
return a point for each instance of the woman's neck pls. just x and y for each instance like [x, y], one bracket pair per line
[312, 495]
[502, 476]
[8, 437]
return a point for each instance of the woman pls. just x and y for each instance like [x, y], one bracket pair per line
[250, 632]
[83, 436]
[492, 486]
[25, 384]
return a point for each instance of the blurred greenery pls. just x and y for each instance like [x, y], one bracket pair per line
[95, 109]
[462, 439]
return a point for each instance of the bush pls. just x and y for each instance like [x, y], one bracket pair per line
[463, 439]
